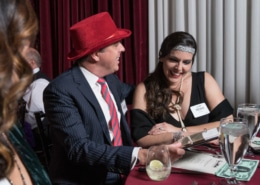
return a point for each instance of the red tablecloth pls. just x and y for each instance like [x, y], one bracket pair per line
[140, 178]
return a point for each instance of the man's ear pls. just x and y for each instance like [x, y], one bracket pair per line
[32, 63]
[95, 56]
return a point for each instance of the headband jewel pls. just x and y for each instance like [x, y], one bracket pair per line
[184, 49]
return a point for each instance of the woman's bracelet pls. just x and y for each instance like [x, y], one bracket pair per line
[177, 136]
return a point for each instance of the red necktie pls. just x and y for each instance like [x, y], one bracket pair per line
[114, 119]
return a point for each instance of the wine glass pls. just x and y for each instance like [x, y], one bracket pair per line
[234, 141]
[158, 163]
[251, 112]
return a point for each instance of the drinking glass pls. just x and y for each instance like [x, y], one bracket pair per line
[234, 141]
[158, 163]
[251, 112]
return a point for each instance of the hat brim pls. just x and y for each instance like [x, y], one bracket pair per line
[117, 36]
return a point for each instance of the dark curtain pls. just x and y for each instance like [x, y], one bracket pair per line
[56, 17]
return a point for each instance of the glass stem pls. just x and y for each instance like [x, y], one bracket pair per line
[232, 179]
[249, 150]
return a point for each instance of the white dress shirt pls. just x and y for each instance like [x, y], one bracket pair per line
[96, 88]
[4, 181]
[34, 99]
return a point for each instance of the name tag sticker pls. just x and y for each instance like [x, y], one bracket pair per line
[209, 134]
[199, 110]
[124, 106]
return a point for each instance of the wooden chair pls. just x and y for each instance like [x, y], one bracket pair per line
[44, 134]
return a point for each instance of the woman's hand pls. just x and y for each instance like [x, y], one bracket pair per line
[163, 128]
[214, 142]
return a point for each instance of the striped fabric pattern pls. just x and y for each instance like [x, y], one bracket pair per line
[114, 123]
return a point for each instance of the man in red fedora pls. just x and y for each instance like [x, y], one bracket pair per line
[90, 134]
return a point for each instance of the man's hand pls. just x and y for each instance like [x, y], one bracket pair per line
[175, 151]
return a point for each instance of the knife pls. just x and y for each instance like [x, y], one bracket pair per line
[174, 170]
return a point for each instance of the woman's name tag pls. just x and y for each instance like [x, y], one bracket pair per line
[199, 110]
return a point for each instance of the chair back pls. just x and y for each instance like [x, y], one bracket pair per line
[21, 111]
[44, 133]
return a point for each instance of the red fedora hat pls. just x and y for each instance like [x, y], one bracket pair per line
[94, 33]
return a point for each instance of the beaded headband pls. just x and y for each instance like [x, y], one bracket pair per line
[185, 49]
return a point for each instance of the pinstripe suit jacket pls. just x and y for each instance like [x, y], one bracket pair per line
[82, 151]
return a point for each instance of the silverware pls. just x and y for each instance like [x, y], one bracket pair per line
[194, 183]
[198, 151]
[180, 171]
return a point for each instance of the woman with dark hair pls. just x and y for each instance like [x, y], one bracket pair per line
[173, 99]
[18, 29]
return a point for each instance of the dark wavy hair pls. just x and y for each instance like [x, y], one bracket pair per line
[158, 94]
[18, 24]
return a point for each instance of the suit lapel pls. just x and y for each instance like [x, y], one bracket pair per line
[87, 92]
[123, 123]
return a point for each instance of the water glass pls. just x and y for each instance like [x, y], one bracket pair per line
[251, 112]
[234, 141]
[158, 163]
